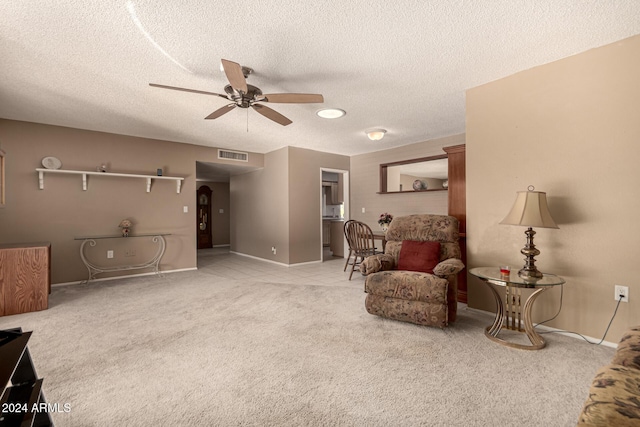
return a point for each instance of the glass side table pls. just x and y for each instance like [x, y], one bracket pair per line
[512, 314]
[93, 268]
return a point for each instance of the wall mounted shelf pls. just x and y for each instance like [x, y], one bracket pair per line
[84, 174]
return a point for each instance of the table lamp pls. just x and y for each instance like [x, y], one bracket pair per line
[530, 210]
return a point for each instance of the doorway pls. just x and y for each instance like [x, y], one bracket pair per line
[334, 209]
[203, 219]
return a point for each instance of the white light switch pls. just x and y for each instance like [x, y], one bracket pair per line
[362, 210]
[185, 209]
[109, 254]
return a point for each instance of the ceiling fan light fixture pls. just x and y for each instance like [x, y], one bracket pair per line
[376, 134]
[331, 113]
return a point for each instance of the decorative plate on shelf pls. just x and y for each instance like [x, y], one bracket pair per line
[51, 163]
[419, 185]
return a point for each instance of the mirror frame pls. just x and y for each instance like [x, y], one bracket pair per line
[383, 174]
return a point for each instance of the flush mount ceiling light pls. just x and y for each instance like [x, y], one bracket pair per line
[376, 134]
[331, 113]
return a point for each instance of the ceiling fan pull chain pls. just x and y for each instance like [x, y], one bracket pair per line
[247, 120]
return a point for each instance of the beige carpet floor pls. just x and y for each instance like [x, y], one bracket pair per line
[246, 343]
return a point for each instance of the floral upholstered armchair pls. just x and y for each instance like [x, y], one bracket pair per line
[416, 279]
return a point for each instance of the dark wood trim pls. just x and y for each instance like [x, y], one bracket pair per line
[455, 149]
[462, 294]
[383, 180]
[458, 205]
[457, 184]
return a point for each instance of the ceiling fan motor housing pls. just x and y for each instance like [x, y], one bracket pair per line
[246, 71]
[244, 100]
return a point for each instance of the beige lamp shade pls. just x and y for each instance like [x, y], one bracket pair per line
[530, 210]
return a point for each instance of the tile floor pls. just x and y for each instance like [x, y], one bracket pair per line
[220, 262]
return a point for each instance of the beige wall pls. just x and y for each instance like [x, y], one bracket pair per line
[260, 206]
[280, 206]
[220, 222]
[571, 129]
[365, 183]
[305, 209]
[63, 210]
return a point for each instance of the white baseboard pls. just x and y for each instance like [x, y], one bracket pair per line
[558, 331]
[102, 279]
[274, 262]
[305, 263]
[259, 259]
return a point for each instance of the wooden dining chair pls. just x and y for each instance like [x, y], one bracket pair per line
[346, 236]
[361, 245]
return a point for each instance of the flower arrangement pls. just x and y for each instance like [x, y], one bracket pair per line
[385, 219]
[125, 225]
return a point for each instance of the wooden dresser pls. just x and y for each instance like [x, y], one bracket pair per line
[25, 277]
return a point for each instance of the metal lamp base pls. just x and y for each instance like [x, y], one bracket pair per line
[530, 252]
[529, 274]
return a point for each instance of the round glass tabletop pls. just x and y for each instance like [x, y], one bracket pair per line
[493, 275]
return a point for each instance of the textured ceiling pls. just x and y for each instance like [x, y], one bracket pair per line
[402, 65]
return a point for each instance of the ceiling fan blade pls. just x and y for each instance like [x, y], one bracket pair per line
[294, 98]
[221, 111]
[272, 114]
[187, 90]
[234, 73]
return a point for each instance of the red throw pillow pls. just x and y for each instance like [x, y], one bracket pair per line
[419, 256]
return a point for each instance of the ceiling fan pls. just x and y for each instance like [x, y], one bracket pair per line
[245, 95]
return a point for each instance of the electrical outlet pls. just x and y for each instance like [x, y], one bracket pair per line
[109, 254]
[622, 291]
[274, 250]
[363, 210]
[185, 209]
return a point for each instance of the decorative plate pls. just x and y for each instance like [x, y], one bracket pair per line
[419, 185]
[51, 163]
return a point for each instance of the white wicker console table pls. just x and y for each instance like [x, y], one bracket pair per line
[93, 268]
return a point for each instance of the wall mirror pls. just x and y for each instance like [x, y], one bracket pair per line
[414, 175]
